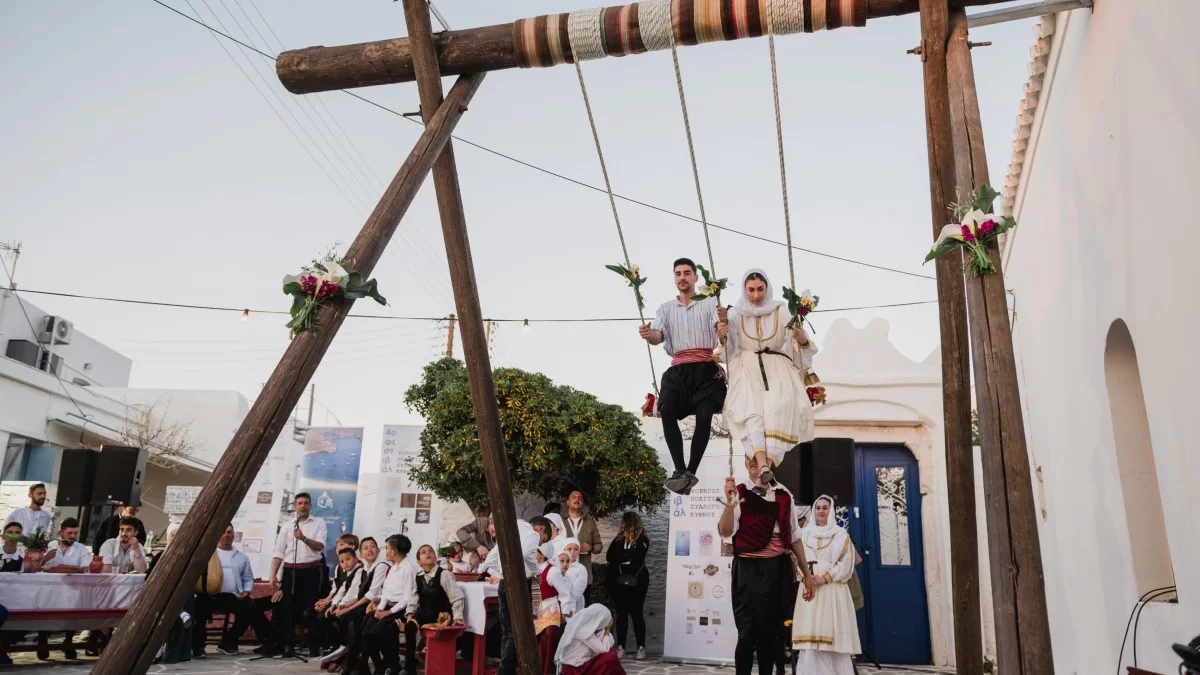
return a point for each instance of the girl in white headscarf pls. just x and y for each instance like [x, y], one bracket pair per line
[825, 631]
[568, 576]
[587, 645]
[560, 531]
[767, 406]
[549, 620]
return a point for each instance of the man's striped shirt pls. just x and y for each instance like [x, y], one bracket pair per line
[691, 326]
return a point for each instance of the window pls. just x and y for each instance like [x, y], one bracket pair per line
[891, 500]
[1144, 519]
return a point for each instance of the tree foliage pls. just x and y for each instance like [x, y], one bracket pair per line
[557, 439]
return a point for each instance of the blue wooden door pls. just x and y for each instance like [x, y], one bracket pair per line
[886, 527]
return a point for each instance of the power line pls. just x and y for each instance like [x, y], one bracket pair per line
[574, 181]
[215, 308]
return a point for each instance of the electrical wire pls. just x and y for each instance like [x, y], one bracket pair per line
[1140, 601]
[594, 188]
[176, 305]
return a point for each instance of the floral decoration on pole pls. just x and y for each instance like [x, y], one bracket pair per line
[711, 287]
[317, 283]
[634, 278]
[800, 305]
[977, 231]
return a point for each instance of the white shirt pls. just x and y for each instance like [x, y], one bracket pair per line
[348, 593]
[530, 540]
[285, 545]
[691, 326]
[16, 555]
[770, 496]
[399, 586]
[229, 573]
[379, 570]
[122, 560]
[570, 587]
[77, 555]
[30, 520]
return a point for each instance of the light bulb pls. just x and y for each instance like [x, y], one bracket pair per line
[245, 315]
[526, 327]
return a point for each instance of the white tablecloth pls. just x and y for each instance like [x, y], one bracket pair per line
[474, 611]
[67, 591]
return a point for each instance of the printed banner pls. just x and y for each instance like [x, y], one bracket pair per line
[401, 507]
[179, 500]
[256, 523]
[699, 613]
[329, 472]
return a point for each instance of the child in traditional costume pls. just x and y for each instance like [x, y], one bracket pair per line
[825, 631]
[767, 407]
[549, 620]
[587, 645]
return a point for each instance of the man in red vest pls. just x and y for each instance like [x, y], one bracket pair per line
[762, 521]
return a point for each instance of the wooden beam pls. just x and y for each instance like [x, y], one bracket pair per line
[473, 50]
[1018, 588]
[158, 604]
[952, 319]
[474, 345]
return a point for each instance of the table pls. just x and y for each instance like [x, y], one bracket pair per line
[477, 597]
[55, 602]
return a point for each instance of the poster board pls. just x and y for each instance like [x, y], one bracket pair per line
[179, 500]
[329, 472]
[256, 522]
[401, 506]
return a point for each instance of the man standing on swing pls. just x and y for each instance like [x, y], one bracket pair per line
[694, 384]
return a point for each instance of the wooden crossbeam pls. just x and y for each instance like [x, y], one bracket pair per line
[474, 50]
[159, 602]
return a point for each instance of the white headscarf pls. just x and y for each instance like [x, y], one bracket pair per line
[547, 550]
[586, 626]
[746, 308]
[830, 528]
[562, 545]
[558, 522]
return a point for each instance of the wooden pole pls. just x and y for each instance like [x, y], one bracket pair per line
[474, 342]
[473, 50]
[956, 379]
[450, 337]
[147, 622]
[1018, 587]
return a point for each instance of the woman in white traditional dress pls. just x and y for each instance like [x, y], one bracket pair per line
[767, 406]
[825, 631]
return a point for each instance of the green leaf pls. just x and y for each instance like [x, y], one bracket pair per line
[985, 196]
[293, 288]
[946, 247]
[618, 269]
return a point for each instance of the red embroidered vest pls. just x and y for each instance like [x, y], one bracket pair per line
[758, 519]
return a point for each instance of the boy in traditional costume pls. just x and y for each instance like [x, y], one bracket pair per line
[694, 384]
[762, 521]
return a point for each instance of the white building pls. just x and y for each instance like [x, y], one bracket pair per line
[1107, 156]
[81, 398]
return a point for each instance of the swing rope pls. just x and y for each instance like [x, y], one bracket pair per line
[616, 217]
[787, 218]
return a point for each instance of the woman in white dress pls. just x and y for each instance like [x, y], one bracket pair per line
[767, 406]
[825, 631]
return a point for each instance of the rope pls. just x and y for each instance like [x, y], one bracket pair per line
[587, 104]
[787, 218]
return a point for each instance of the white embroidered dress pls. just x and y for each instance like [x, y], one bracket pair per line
[825, 630]
[766, 407]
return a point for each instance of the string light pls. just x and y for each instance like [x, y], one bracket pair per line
[526, 326]
[245, 315]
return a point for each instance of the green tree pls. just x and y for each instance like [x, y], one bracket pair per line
[557, 439]
[974, 427]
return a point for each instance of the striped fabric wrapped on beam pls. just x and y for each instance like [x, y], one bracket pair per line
[645, 26]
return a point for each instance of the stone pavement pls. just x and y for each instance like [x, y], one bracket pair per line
[239, 665]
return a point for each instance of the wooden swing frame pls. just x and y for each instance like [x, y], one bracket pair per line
[956, 159]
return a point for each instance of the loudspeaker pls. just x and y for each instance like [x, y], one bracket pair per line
[119, 475]
[827, 468]
[76, 474]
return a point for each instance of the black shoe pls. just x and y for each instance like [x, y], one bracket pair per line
[264, 649]
[70, 654]
[678, 482]
[5, 660]
[692, 481]
[767, 477]
[43, 655]
[199, 654]
[226, 649]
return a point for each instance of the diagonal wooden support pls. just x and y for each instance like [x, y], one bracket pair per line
[476, 50]
[148, 621]
[1018, 587]
[956, 378]
[475, 346]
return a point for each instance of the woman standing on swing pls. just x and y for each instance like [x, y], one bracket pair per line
[767, 406]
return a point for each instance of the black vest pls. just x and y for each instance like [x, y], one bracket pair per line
[431, 598]
[365, 584]
[11, 565]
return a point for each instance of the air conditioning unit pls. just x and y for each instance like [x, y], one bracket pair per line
[50, 362]
[56, 330]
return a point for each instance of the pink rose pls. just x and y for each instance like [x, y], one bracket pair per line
[967, 235]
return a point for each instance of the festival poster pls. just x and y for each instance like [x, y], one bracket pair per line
[403, 507]
[699, 625]
[329, 473]
[257, 519]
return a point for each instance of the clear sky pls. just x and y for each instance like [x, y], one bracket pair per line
[141, 162]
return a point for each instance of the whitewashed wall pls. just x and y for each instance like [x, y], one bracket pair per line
[1106, 232]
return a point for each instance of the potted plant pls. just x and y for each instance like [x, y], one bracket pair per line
[35, 544]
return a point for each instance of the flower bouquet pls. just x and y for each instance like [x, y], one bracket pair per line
[800, 305]
[635, 279]
[977, 231]
[317, 283]
[711, 287]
